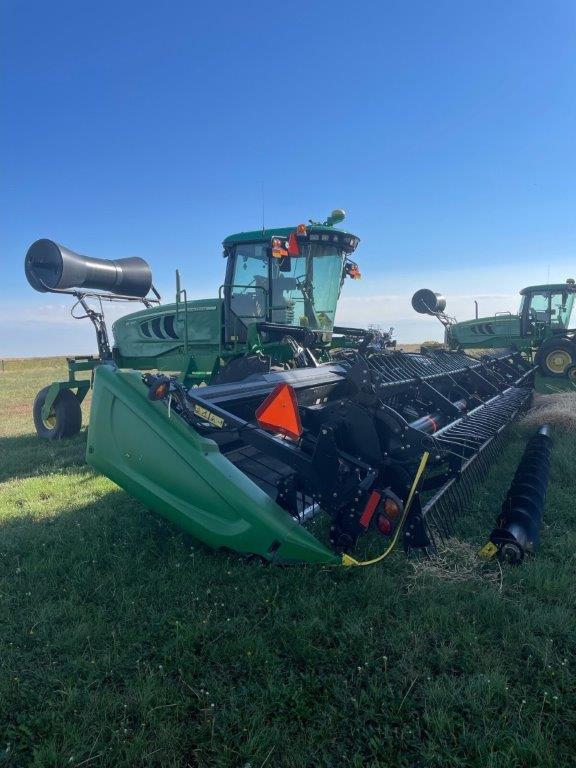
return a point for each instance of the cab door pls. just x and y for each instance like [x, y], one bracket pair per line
[246, 289]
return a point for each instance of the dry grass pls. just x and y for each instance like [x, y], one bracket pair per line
[558, 410]
[457, 561]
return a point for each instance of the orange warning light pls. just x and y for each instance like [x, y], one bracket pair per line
[279, 248]
[293, 247]
[391, 508]
[352, 270]
[279, 412]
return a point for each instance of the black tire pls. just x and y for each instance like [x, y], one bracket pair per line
[65, 418]
[555, 357]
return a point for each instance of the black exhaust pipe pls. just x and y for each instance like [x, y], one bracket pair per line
[52, 267]
[518, 525]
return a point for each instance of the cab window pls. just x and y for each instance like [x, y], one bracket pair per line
[539, 310]
[248, 293]
[560, 306]
[551, 308]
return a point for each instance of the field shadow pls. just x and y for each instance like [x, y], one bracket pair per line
[27, 456]
[111, 537]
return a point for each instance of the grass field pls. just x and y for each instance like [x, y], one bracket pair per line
[125, 643]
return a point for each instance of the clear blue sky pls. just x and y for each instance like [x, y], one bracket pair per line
[446, 129]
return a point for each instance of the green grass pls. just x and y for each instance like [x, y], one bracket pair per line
[125, 643]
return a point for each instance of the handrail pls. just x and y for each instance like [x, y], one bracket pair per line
[180, 292]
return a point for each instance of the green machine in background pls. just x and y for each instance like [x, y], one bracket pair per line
[540, 329]
[276, 307]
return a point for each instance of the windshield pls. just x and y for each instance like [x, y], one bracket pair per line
[299, 290]
[551, 308]
[561, 308]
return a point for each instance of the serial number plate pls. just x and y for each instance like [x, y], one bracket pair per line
[208, 416]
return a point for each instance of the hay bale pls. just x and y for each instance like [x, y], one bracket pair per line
[558, 410]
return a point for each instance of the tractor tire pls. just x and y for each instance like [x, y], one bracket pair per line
[65, 418]
[556, 356]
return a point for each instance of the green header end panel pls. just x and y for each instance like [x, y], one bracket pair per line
[162, 330]
[176, 472]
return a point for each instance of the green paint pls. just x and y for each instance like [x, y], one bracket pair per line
[181, 475]
[544, 314]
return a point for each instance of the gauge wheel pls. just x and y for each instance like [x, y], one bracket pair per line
[64, 419]
[557, 357]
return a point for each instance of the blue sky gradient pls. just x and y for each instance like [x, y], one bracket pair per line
[446, 129]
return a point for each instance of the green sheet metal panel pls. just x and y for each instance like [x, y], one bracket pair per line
[496, 332]
[183, 476]
[159, 330]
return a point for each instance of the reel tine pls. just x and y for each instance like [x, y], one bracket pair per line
[435, 524]
[443, 517]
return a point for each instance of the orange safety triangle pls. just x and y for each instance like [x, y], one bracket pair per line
[279, 412]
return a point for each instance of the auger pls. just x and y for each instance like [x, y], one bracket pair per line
[517, 531]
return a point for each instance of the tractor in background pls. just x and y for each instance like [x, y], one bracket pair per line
[540, 329]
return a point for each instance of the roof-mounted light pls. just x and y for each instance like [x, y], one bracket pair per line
[335, 217]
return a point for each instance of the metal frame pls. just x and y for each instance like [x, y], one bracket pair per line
[80, 387]
[356, 437]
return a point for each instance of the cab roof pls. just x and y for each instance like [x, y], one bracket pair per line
[264, 235]
[550, 287]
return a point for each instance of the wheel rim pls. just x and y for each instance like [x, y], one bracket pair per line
[572, 374]
[558, 360]
[50, 421]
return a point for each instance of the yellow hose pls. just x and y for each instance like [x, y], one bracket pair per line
[347, 560]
